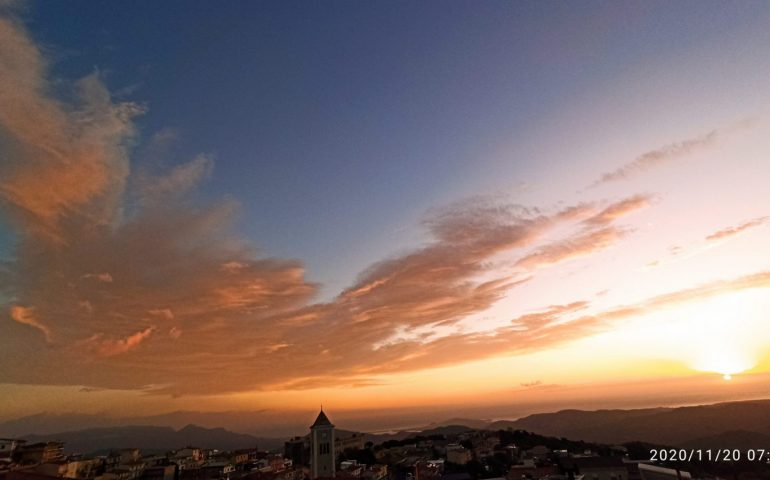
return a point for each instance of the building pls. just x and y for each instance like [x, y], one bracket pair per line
[188, 458]
[375, 472]
[528, 469]
[458, 454]
[74, 467]
[322, 455]
[216, 470]
[193, 453]
[241, 456]
[82, 467]
[160, 472]
[351, 469]
[28, 475]
[297, 450]
[42, 452]
[539, 451]
[54, 468]
[354, 441]
[594, 468]
[654, 472]
[8, 446]
[129, 455]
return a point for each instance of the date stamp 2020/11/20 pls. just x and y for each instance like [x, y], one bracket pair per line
[709, 455]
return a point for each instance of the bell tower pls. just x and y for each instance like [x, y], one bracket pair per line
[322, 456]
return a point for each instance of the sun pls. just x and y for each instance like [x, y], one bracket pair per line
[726, 362]
[721, 335]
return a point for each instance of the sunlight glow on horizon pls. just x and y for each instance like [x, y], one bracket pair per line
[725, 329]
[636, 253]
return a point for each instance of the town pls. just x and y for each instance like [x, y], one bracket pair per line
[450, 453]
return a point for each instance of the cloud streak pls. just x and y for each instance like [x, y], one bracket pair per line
[107, 347]
[618, 209]
[571, 248]
[661, 156]
[26, 316]
[733, 231]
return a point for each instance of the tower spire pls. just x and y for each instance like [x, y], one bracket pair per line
[322, 455]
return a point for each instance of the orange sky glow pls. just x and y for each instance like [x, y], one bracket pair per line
[631, 272]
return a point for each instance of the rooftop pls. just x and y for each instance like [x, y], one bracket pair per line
[322, 420]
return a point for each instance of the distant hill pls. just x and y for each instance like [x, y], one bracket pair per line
[45, 423]
[667, 426]
[734, 439]
[466, 422]
[260, 423]
[579, 423]
[738, 424]
[154, 439]
[446, 430]
[438, 428]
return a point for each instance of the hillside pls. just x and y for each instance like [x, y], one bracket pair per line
[668, 426]
[152, 438]
[732, 424]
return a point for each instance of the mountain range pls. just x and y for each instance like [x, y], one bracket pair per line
[744, 424]
[154, 439]
[691, 426]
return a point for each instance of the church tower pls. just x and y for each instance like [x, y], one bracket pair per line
[322, 456]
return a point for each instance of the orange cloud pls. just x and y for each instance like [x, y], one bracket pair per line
[618, 209]
[102, 277]
[551, 327]
[109, 347]
[162, 256]
[78, 148]
[574, 247]
[732, 231]
[597, 234]
[26, 316]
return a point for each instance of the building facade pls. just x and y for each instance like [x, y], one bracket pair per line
[322, 455]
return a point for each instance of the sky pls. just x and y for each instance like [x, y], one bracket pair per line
[266, 206]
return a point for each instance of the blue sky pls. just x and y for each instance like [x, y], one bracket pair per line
[337, 124]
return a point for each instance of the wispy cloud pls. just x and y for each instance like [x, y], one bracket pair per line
[597, 233]
[533, 384]
[563, 323]
[179, 181]
[101, 277]
[713, 240]
[660, 156]
[107, 347]
[619, 209]
[732, 231]
[26, 316]
[574, 247]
